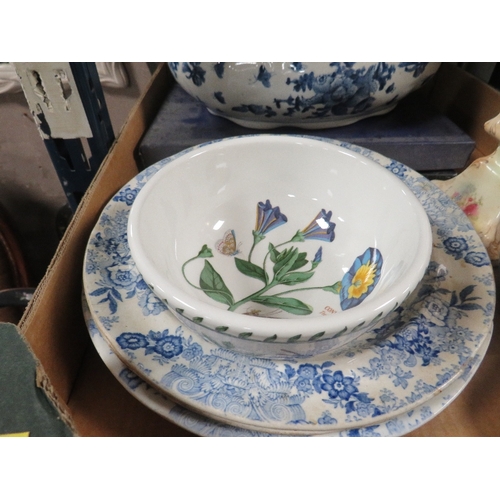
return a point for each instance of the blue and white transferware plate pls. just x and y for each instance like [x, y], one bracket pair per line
[420, 349]
[202, 426]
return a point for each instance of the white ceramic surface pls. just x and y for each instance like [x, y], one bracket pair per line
[204, 426]
[310, 95]
[417, 353]
[290, 241]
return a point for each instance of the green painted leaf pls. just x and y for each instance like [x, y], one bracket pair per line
[356, 328]
[197, 319]
[273, 253]
[295, 338]
[376, 318]
[293, 306]
[300, 262]
[179, 310]
[271, 339]
[221, 328]
[285, 262]
[294, 278]
[213, 285]
[245, 335]
[249, 269]
[338, 334]
[394, 308]
[316, 336]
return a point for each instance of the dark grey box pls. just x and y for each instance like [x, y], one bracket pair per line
[414, 133]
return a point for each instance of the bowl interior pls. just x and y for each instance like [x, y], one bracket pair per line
[219, 224]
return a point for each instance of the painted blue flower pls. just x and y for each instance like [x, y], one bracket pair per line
[130, 378]
[194, 72]
[326, 419]
[303, 385]
[111, 244]
[132, 341]
[320, 228]
[412, 67]
[169, 346]
[477, 259]
[338, 386]
[127, 196]
[307, 370]
[256, 109]
[192, 352]
[455, 246]
[306, 375]
[174, 66]
[91, 266]
[401, 377]
[219, 69]
[364, 432]
[122, 276]
[426, 352]
[361, 278]
[397, 168]
[414, 340]
[264, 76]
[150, 304]
[435, 310]
[268, 218]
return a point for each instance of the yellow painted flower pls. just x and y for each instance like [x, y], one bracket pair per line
[361, 278]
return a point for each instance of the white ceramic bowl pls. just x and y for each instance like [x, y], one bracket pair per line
[278, 245]
[308, 95]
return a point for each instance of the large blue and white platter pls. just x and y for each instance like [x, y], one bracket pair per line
[203, 426]
[422, 347]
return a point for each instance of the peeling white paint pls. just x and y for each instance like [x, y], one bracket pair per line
[50, 90]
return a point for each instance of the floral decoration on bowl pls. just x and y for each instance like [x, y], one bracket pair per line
[308, 95]
[355, 259]
[290, 267]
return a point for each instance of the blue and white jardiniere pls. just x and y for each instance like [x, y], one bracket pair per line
[309, 95]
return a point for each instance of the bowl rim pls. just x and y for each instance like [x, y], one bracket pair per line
[283, 328]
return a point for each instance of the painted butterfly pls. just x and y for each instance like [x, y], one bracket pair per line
[227, 245]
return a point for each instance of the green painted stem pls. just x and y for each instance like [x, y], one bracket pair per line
[299, 290]
[184, 273]
[252, 296]
[251, 251]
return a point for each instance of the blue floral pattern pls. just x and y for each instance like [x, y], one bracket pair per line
[422, 347]
[300, 91]
[204, 426]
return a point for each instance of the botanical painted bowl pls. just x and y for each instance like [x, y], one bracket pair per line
[311, 95]
[278, 245]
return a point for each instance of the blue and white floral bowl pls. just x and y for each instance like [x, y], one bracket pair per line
[311, 95]
[278, 245]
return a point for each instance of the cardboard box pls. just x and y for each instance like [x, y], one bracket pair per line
[70, 371]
